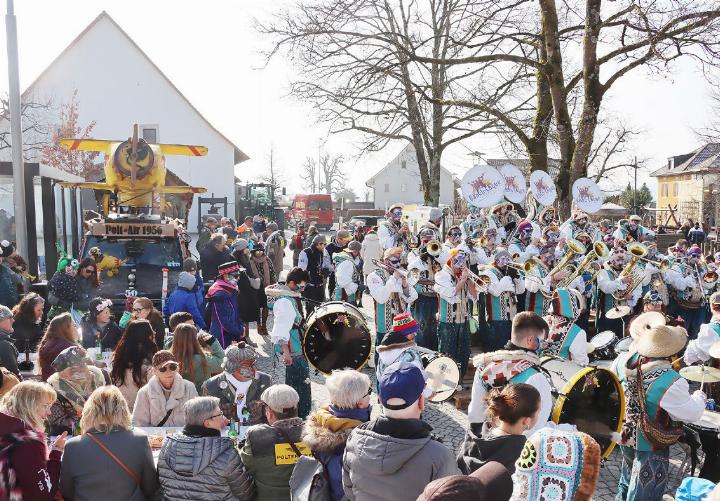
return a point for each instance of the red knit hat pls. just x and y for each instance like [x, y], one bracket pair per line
[403, 326]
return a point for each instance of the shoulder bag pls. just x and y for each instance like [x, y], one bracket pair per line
[115, 458]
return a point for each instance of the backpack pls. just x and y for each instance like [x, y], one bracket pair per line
[309, 481]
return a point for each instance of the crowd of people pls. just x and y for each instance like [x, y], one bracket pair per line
[72, 428]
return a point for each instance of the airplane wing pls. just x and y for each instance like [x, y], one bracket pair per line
[180, 189]
[183, 149]
[93, 186]
[102, 145]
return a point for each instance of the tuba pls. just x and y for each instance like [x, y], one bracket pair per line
[600, 252]
[572, 248]
[637, 252]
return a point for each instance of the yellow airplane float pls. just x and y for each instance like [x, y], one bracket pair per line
[134, 171]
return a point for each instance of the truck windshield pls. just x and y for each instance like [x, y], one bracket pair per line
[319, 205]
[260, 193]
[155, 252]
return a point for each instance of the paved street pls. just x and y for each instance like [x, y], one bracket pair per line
[449, 423]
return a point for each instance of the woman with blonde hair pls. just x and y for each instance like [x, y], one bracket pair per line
[27, 471]
[109, 460]
[195, 364]
[144, 309]
[61, 333]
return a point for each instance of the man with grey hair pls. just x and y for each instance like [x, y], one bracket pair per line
[213, 255]
[394, 456]
[328, 428]
[271, 450]
[239, 386]
[199, 463]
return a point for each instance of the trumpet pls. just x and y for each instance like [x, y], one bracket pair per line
[390, 269]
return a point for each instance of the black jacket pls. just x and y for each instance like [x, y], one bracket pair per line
[8, 353]
[481, 447]
[210, 259]
[27, 333]
[109, 335]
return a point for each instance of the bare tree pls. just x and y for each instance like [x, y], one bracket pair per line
[273, 177]
[711, 132]
[309, 175]
[332, 172]
[35, 125]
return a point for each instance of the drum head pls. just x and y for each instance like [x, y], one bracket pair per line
[336, 337]
[623, 345]
[603, 340]
[710, 421]
[590, 398]
[443, 376]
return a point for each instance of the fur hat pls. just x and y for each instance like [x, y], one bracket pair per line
[645, 322]
[661, 341]
[403, 326]
[558, 465]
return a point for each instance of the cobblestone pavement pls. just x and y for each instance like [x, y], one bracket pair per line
[449, 423]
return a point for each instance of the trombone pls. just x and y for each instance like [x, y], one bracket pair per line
[663, 264]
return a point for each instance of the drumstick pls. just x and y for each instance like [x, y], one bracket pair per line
[702, 377]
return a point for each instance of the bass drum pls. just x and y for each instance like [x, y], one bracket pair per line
[591, 398]
[443, 374]
[336, 337]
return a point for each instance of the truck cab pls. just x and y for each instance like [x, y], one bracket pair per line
[313, 208]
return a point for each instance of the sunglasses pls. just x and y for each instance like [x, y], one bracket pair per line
[172, 366]
[137, 310]
[88, 271]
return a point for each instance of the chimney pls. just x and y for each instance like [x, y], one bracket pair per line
[671, 163]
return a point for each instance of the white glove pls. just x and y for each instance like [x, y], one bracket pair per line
[506, 284]
[701, 394]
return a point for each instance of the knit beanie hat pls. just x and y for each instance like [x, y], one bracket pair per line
[403, 326]
[318, 239]
[557, 465]
[186, 280]
[354, 245]
[240, 244]
[228, 268]
[6, 248]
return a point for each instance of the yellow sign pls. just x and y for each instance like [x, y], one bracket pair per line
[284, 454]
[133, 229]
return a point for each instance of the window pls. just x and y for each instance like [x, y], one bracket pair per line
[675, 189]
[149, 133]
[403, 187]
[403, 165]
[663, 190]
[387, 188]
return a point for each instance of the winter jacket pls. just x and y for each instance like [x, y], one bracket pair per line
[371, 249]
[64, 288]
[214, 365]
[696, 236]
[210, 259]
[218, 386]
[129, 389]
[89, 473]
[109, 335]
[258, 455]
[87, 290]
[203, 239]
[37, 474]
[326, 432]
[225, 322]
[151, 405]
[8, 287]
[393, 459]
[27, 333]
[481, 447]
[48, 353]
[198, 464]
[8, 353]
[182, 299]
[275, 245]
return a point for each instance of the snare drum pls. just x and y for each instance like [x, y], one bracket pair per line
[604, 346]
[623, 345]
[443, 374]
[590, 398]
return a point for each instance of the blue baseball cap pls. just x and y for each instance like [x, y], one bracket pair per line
[402, 381]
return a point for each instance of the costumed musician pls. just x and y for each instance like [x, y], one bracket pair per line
[455, 289]
[501, 299]
[566, 339]
[391, 291]
[605, 228]
[521, 245]
[689, 287]
[539, 284]
[498, 219]
[678, 251]
[316, 261]
[654, 276]
[547, 217]
[658, 402]
[609, 281]
[491, 238]
[347, 272]
[631, 229]
[286, 336]
[474, 222]
[393, 232]
[578, 223]
[425, 308]
[433, 224]
[518, 362]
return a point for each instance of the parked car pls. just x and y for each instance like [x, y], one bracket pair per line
[366, 221]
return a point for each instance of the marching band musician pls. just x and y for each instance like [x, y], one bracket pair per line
[391, 232]
[491, 236]
[547, 217]
[473, 223]
[425, 309]
[577, 223]
[498, 219]
[518, 362]
[391, 291]
[698, 350]
[286, 336]
[566, 339]
[688, 289]
[347, 272]
[678, 251]
[521, 243]
[454, 289]
[433, 224]
[539, 281]
[658, 402]
[316, 262]
[608, 282]
[501, 299]
[452, 241]
[632, 229]
[654, 277]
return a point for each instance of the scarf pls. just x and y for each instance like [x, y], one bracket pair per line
[74, 394]
[221, 284]
[199, 431]
[262, 262]
[239, 394]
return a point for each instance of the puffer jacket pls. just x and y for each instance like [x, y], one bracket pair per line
[393, 459]
[326, 432]
[371, 249]
[199, 465]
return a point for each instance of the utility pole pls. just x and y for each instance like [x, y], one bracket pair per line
[635, 207]
[16, 131]
[318, 167]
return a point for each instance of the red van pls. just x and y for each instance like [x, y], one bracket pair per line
[313, 208]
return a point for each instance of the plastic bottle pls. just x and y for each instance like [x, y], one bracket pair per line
[232, 430]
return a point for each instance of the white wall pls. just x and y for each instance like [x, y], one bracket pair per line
[404, 183]
[118, 87]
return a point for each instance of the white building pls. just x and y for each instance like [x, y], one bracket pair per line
[399, 181]
[118, 85]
